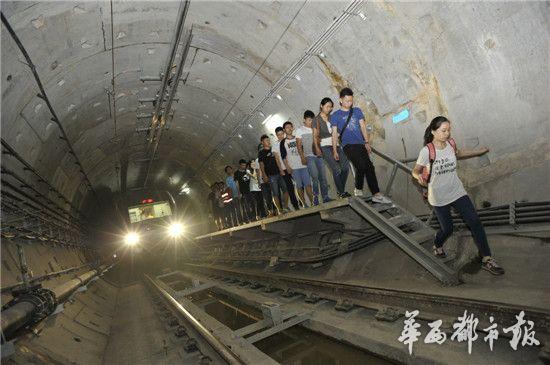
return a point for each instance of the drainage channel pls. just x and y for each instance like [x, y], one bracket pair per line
[293, 345]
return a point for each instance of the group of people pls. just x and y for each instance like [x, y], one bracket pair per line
[291, 169]
[290, 173]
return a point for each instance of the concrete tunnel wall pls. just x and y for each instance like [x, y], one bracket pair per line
[482, 64]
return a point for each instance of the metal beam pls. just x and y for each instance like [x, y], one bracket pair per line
[278, 328]
[405, 242]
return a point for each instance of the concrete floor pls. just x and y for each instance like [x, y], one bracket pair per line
[137, 335]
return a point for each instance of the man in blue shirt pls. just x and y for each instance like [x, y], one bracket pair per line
[234, 207]
[355, 142]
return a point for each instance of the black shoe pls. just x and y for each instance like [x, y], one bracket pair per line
[345, 194]
[441, 254]
[492, 266]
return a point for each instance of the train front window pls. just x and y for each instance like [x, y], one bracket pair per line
[143, 212]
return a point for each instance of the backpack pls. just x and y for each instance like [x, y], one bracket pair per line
[427, 171]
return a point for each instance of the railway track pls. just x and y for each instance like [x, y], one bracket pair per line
[431, 306]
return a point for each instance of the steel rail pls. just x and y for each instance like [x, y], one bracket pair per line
[225, 352]
[379, 298]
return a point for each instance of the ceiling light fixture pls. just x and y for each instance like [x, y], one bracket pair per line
[266, 120]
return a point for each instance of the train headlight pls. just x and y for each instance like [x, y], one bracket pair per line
[175, 230]
[131, 238]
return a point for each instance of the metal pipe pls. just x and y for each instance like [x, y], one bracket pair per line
[60, 218]
[44, 278]
[182, 13]
[391, 179]
[157, 131]
[59, 208]
[48, 219]
[226, 353]
[10, 151]
[16, 317]
[21, 313]
[392, 160]
[64, 291]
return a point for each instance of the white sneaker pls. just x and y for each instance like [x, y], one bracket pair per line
[358, 192]
[381, 199]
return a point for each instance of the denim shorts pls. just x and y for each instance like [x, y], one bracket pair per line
[277, 184]
[301, 177]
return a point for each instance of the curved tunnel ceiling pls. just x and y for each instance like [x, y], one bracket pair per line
[452, 58]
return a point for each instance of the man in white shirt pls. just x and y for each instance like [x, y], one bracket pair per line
[296, 164]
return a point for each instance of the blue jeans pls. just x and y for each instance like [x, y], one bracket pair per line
[467, 211]
[340, 169]
[316, 169]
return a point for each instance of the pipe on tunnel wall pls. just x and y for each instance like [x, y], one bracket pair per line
[22, 313]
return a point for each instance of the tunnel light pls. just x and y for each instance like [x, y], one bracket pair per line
[131, 238]
[114, 256]
[279, 97]
[266, 120]
[362, 16]
[273, 121]
[185, 189]
[297, 77]
[175, 230]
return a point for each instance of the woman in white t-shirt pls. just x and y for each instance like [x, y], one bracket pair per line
[253, 169]
[445, 190]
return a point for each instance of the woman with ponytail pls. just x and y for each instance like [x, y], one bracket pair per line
[436, 169]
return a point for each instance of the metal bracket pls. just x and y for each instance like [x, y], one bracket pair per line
[193, 290]
[388, 314]
[288, 293]
[343, 305]
[278, 328]
[512, 213]
[312, 298]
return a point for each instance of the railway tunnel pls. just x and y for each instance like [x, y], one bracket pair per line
[123, 240]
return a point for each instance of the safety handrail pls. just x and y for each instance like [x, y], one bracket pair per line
[396, 165]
